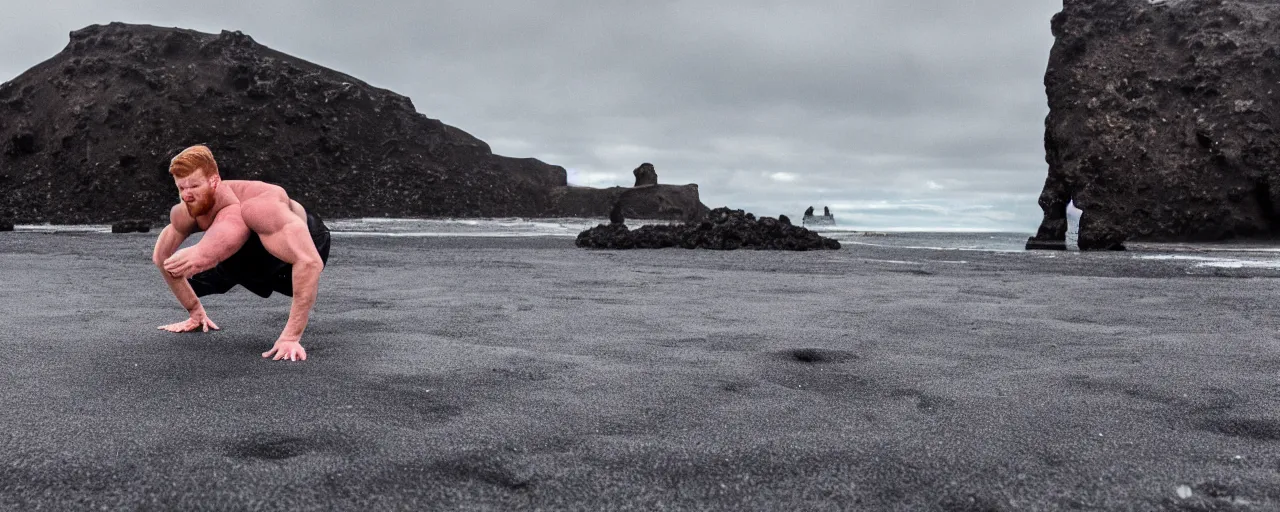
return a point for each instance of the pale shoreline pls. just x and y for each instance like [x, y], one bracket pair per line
[522, 372]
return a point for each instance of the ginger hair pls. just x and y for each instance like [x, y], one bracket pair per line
[192, 159]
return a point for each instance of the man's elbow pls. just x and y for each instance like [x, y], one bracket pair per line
[309, 266]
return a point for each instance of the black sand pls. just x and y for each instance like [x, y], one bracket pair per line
[526, 373]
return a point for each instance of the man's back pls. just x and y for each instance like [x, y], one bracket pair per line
[246, 190]
[251, 192]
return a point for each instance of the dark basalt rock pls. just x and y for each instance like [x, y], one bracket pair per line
[131, 226]
[722, 229]
[665, 202]
[615, 215]
[87, 135]
[645, 175]
[1161, 121]
[1034, 244]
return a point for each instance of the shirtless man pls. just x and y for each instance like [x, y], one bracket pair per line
[255, 236]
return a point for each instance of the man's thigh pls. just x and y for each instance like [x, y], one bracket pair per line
[252, 267]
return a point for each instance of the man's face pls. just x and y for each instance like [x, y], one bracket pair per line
[196, 191]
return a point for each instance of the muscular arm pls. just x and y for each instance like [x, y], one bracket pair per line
[224, 237]
[180, 227]
[286, 236]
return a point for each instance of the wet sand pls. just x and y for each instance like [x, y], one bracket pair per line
[483, 373]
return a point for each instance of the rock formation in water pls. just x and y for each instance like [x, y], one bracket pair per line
[826, 219]
[722, 229]
[645, 175]
[86, 136]
[653, 201]
[1162, 121]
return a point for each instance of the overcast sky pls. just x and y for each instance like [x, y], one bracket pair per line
[915, 114]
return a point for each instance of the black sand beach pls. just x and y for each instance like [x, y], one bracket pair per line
[478, 373]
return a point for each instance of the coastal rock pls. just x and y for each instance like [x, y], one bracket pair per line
[656, 202]
[645, 175]
[826, 219]
[86, 136]
[1034, 244]
[1100, 238]
[722, 229]
[615, 215]
[131, 226]
[1161, 121]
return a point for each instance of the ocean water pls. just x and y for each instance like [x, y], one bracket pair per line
[1262, 256]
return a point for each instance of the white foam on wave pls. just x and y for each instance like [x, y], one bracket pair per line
[934, 248]
[430, 234]
[62, 228]
[486, 227]
[1214, 261]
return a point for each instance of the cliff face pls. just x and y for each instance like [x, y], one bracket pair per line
[1162, 121]
[86, 136]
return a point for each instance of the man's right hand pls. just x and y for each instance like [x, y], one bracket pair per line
[198, 320]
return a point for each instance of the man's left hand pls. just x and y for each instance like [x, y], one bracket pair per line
[186, 263]
[286, 348]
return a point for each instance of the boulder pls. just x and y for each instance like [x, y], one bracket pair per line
[722, 229]
[131, 226]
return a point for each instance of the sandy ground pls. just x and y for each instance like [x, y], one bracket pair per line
[526, 373]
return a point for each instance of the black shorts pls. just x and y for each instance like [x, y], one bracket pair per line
[256, 269]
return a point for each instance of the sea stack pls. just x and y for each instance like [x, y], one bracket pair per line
[1161, 122]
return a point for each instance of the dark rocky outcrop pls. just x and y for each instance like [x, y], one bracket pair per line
[131, 226]
[664, 202]
[826, 219]
[645, 175]
[615, 215]
[1162, 122]
[86, 136]
[722, 229]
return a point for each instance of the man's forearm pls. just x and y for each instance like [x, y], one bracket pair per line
[182, 290]
[166, 244]
[306, 281]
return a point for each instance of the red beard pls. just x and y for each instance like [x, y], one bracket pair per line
[200, 206]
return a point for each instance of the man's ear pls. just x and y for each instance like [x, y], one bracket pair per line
[214, 181]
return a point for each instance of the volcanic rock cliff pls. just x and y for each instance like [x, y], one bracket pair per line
[86, 136]
[1162, 121]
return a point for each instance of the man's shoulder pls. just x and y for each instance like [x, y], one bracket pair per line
[249, 189]
[181, 219]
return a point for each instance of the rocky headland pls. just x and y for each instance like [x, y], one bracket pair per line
[86, 136]
[1161, 122]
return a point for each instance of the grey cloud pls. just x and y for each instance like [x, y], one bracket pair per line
[935, 102]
